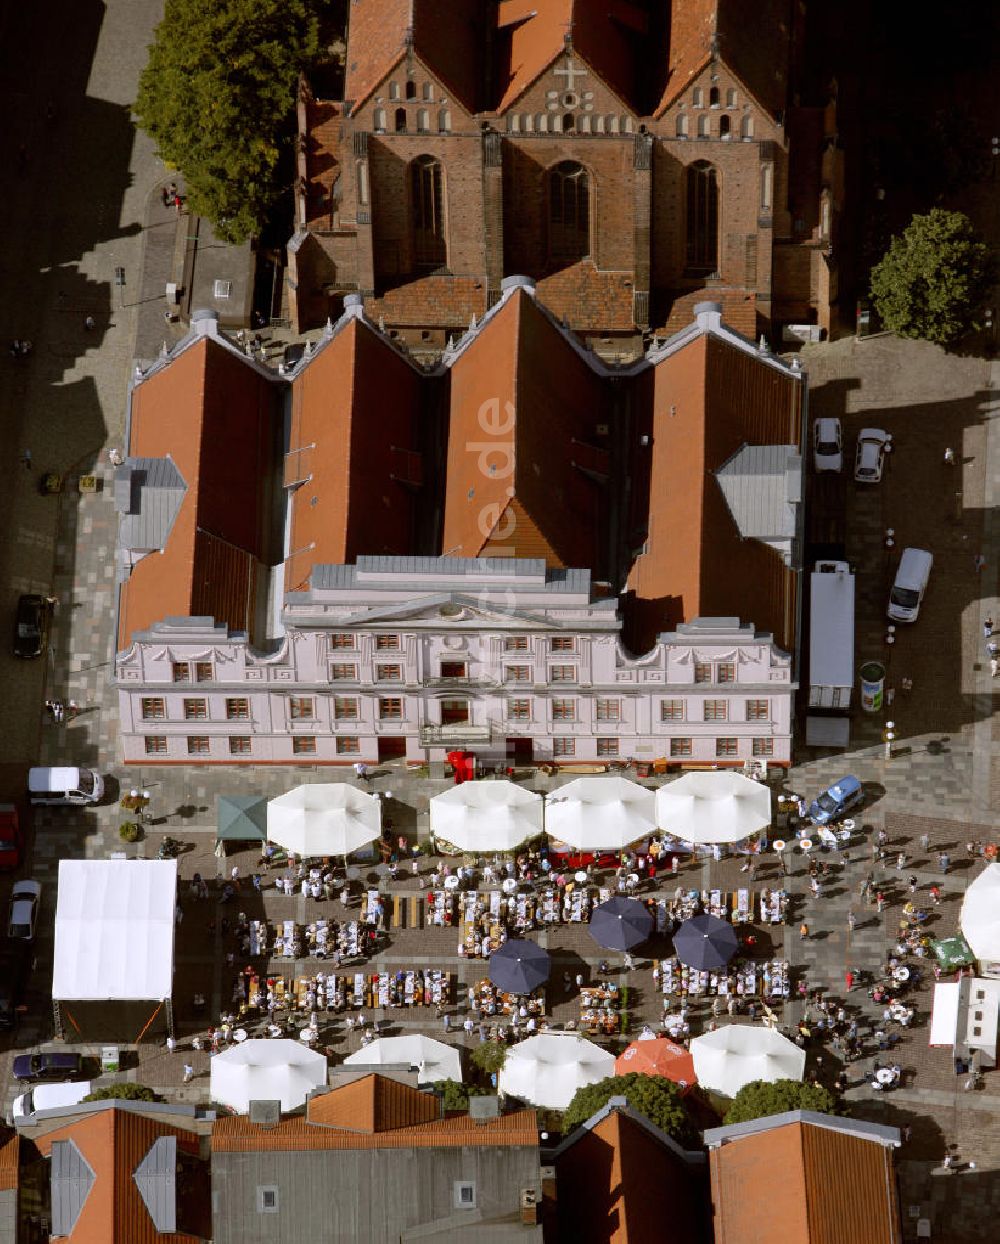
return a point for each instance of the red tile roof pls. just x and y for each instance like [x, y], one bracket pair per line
[739, 311]
[374, 1113]
[217, 417]
[445, 37]
[590, 300]
[524, 407]
[703, 403]
[114, 1143]
[451, 301]
[618, 1183]
[10, 1159]
[834, 1188]
[354, 411]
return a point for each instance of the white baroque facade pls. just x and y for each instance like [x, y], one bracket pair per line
[416, 656]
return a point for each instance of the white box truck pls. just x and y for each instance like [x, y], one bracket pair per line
[831, 654]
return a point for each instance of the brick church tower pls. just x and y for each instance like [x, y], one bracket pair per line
[633, 157]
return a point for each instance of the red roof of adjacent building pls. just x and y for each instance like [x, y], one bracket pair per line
[804, 1184]
[10, 1159]
[374, 1112]
[524, 408]
[113, 1143]
[354, 413]
[217, 417]
[619, 1183]
[446, 37]
[701, 404]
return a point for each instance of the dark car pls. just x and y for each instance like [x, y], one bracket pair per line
[837, 800]
[14, 968]
[10, 837]
[50, 1066]
[30, 626]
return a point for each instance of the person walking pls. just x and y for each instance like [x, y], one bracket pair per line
[988, 626]
[935, 893]
[188, 1073]
[880, 902]
[944, 859]
[913, 884]
[925, 842]
[849, 980]
[852, 924]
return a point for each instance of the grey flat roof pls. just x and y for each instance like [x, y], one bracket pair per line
[72, 1179]
[156, 1179]
[851, 1127]
[148, 494]
[329, 577]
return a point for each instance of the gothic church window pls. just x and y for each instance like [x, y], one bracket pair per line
[411, 90]
[427, 212]
[747, 127]
[724, 126]
[569, 212]
[444, 120]
[682, 125]
[704, 123]
[400, 120]
[702, 218]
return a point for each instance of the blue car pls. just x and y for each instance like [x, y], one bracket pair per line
[837, 800]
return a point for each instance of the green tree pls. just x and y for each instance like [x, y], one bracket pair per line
[218, 96]
[454, 1096]
[489, 1056]
[932, 283]
[122, 1092]
[760, 1098]
[658, 1098]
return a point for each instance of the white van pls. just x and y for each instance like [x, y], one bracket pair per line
[910, 584]
[50, 1097]
[62, 786]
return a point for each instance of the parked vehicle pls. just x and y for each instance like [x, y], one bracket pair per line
[837, 800]
[50, 1097]
[828, 445]
[15, 965]
[909, 585]
[65, 786]
[51, 1065]
[25, 899]
[869, 459]
[11, 842]
[831, 654]
[30, 626]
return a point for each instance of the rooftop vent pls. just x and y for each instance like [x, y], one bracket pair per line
[205, 322]
[265, 1113]
[514, 282]
[708, 314]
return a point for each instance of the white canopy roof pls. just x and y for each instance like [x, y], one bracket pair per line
[719, 806]
[486, 816]
[600, 813]
[944, 1014]
[324, 818]
[266, 1070]
[734, 1055]
[114, 930]
[548, 1069]
[980, 918]
[434, 1060]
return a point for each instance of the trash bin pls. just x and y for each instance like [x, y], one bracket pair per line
[110, 1058]
[643, 769]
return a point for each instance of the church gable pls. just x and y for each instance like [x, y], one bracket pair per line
[716, 104]
[412, 99]
[570, 97]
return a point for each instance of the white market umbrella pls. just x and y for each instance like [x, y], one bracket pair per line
[324, 818]
[486, 816]
[548, 1069]
[600, 813]
[266, 1070]
[734, 1055]
[713, 807]
[980, 918]
[434, 1060]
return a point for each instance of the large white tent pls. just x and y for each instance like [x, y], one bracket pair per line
[980, 918]
[486, 816]
[735, 1054]
[114, 930]
[324, 818]
[600, 813]
[719, 806]
[434, 1060]
[266, 1070]
[546, 1070]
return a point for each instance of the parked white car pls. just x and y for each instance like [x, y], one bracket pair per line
[828, 445]
[25, 899]
[870, 457]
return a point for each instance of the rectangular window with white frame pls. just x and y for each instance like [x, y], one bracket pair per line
[716, 710]
[671, 710]
[563, 747]
[680, 747]
[518, 710]
[607, 747]
[517, 673]
[564, 710]
[562, 673]
[727, 747]
[758, 710]
[763, 747]
[609, 710]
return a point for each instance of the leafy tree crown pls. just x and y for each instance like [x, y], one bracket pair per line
[122, 1092]
[656, 1097]
[761, 1098]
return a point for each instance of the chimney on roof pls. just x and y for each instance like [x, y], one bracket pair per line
[265, 1113]
[354, 306]
[527, 283]
[205, 323]
[708, 315]
[482, 1109]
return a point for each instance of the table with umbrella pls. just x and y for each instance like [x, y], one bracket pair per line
[736, 1054]
[620, 924]
[980, 915]
[486, 817]
[266, 1070]
[705, 942]
[519, 966]
[713, 807]
[434, 1060]
[600, 813]
[324, 818]
[658, 1056]
[546, 1070]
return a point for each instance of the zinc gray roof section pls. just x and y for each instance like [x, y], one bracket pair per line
[155, 1177]
[148, 496]
[72, 1179]
[755, 484]
[332, 577]
[715, 1136]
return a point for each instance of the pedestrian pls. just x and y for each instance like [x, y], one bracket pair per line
[852, 924]
[988, 626]
[849, 980]
[900, 861]
[979, 561]
[26, 459]
[803, 929]
[949, 456]
[629, 962]
[234, 875]
[994, 666]
[880, 901]
[360, 770]
[447, 1022]
[89, 323]
[171, 1045]
[943, 861]
[913, 884]
[935, 893]
[188, 1073]
[925, 842]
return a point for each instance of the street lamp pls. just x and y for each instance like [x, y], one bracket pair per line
[888, 735]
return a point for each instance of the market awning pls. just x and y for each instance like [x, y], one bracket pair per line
[241, 818]
[944, 1015]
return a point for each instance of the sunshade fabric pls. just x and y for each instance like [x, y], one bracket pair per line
[736, 1054]
[620, 924]
[548, 1069]
[434, 1060]
[705, 942]
[713, 807]
[241, 818]
[980, 918]
[324, 818]
[600, 813]
[486, 815]
[114, 930]
[659, 1057]
[953, 952]
[266, 1070]
[519, 966]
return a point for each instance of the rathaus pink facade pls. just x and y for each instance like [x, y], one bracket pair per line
[417, 656]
